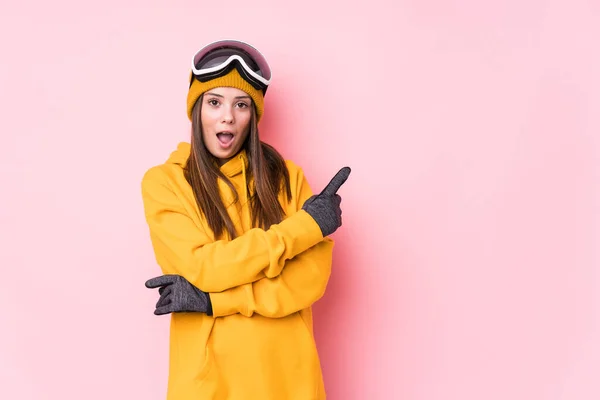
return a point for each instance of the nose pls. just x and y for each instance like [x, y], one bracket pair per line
[227, 115]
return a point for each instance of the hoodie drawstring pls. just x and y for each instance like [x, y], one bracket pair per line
[245, 189]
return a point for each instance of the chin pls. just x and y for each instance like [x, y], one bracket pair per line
[224, 155]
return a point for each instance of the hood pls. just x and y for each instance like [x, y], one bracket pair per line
[180, 155]
[237, 165]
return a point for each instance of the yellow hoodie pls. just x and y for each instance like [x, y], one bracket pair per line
[259, 342]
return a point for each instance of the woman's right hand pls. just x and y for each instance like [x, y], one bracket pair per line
[177, 294]
[325, 206]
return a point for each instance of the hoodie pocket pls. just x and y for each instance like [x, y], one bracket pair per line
[209, 386]
[306, 317]
[317, 376]
[206, 366]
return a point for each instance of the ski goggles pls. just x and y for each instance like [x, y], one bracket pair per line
[219, 58]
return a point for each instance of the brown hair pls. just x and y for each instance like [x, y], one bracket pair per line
[265, 165]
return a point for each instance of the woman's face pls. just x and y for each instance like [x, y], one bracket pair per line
[225, 117]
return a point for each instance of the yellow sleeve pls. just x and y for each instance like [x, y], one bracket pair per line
[301, 283]
[182, 248]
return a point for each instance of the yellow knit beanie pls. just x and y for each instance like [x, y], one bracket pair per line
[232, 79]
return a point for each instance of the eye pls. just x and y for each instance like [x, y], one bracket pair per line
[213, 102]
[241, 104]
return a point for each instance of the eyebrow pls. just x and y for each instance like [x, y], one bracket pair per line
[218, 95]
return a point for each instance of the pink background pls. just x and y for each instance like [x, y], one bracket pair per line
[468, 264]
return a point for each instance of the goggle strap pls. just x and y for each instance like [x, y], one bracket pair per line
[241, 70]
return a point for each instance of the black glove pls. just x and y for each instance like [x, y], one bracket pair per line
[178, 295]
[325, 207]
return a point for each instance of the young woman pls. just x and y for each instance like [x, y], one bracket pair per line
[242, 243]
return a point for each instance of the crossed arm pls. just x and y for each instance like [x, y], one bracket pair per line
[273, 272]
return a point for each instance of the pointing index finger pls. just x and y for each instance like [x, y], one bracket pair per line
[337, 181]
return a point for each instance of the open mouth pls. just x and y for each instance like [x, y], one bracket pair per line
[225, 138]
